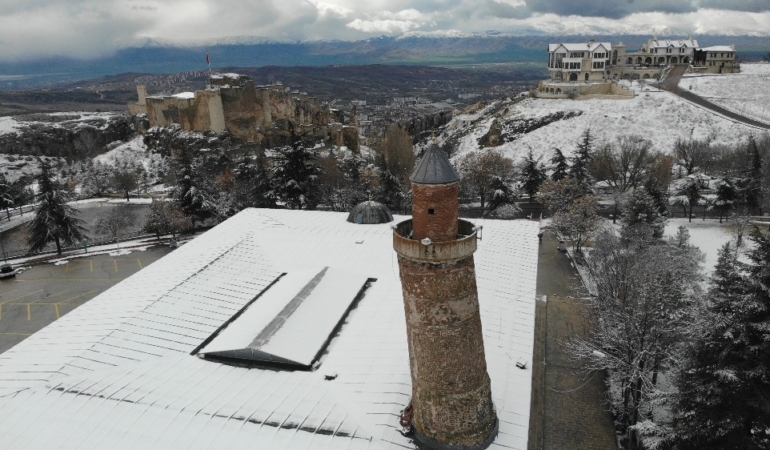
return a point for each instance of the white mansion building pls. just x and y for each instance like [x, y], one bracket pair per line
[602, 61]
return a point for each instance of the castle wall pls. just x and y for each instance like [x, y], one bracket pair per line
[242, 112]
[269, 115]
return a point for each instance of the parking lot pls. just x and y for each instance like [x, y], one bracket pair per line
[46, 292]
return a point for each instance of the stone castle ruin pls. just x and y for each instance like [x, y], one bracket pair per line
[268, 115]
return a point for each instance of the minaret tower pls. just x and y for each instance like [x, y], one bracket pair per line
[451, 395]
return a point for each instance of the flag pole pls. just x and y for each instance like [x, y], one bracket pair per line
[208, 62]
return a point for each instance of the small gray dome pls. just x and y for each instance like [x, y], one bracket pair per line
[370, 212]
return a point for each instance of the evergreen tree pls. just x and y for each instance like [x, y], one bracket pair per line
[641, 209]
[54, 221]
[390, 192]
[560, 166]
[726, 196]
[752, 185]
[295, 173]
[532, 176]
[582, 158]
[252, 187]
[723, 401]
[658, 194]
[688, 196]
[6, 195]
[499, 193]
[189, 192]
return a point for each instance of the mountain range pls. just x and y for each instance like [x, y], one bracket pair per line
[157, 56]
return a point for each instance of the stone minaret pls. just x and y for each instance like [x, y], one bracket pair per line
[451, 395]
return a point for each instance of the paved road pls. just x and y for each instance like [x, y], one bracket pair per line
[569, 409]
[671, 84]
[44, 293]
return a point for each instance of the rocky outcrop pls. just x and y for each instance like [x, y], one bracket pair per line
[66, 136]
[493, 137]
[428, 123]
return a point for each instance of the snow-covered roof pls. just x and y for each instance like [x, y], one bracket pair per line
[665, 43]
[719, 48]
[580, 47]
[184, 95]
[119, 371]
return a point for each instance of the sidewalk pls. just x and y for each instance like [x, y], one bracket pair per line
[569, 411]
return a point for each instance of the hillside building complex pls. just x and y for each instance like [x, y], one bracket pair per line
[600, 63]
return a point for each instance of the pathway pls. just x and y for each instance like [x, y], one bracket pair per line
[671, 84]
[569, 410]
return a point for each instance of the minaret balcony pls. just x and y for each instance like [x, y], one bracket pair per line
[425, 251]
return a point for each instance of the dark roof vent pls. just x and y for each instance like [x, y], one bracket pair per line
[370, 212]
[434, 168]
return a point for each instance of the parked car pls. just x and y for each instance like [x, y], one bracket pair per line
[7, 271]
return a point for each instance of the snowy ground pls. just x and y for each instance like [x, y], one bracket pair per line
[68, 119]
[708, 236]
[746, 93]
[656, 115]
[132, 151]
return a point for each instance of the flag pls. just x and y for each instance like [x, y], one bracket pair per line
[207, 58]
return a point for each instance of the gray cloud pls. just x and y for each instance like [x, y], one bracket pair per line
[615, 9]
[89, 28]
[737, 5]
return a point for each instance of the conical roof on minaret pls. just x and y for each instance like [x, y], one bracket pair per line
[434, 168]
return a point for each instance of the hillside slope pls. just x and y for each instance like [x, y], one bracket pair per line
[545, 124]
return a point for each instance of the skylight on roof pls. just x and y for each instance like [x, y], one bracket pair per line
[291, 322]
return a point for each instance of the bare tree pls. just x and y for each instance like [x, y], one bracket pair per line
[479, 168]
[578, 221]
[624, 164]
[116, 223]
[125, 181]
[645, 300]
[166, 217]
[396, 151]
[693, 153]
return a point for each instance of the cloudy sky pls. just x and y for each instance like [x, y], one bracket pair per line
[89, 28]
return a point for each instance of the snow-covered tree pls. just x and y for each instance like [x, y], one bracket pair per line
[581, 160]
[644, 300]
[559, 195]
[295, 176]
[687, 196]
[578, 221]
[499, 193]
[559, 165]
[189, 192]
[251, 188]
[641, 209]
[532, 175]
[54, 221]
[726, 196]
[478, 168]
[723, 400]
[390, 192]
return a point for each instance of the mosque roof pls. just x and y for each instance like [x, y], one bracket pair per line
[166, 359]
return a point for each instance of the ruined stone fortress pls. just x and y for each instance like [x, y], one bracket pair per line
[589, 69]
[268, 115]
